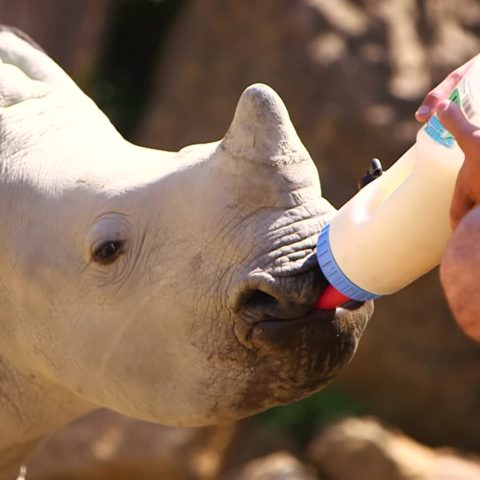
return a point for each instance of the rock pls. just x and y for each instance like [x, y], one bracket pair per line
[351, 73]
[278, 466]
[363, 449]
[105, 445]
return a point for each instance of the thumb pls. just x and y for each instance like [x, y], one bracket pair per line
[456, 122]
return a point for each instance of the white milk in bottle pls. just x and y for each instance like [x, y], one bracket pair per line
[396, 228]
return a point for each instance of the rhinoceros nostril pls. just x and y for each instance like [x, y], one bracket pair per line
[258, 303]
[281, 297]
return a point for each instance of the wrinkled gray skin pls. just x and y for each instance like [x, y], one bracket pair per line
[172, 287]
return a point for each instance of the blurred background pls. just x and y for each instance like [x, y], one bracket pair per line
[169, 73]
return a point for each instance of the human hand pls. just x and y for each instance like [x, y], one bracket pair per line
[467, 135]
[461, 260]
[459, 274]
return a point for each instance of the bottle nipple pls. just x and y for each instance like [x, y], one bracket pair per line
[330, 299]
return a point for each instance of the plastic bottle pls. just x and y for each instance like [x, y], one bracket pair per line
[396, 228]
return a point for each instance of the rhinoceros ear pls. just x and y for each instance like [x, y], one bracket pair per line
[261, 130]
[19, 50]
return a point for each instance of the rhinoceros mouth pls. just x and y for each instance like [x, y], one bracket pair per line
[286, 336]
[316, 330]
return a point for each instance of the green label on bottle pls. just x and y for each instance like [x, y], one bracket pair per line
[455, 97]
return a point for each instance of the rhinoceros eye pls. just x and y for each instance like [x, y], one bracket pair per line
[107, 252]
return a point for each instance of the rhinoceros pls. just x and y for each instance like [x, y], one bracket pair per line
[175, 287]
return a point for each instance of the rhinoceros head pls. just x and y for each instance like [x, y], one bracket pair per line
[174, 287]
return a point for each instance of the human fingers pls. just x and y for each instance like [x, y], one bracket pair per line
[440, 92]
[467, 135]
[457, 123]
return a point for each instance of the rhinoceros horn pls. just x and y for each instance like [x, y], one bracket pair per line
[261, 130]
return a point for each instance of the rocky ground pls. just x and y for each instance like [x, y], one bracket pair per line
[107, 446]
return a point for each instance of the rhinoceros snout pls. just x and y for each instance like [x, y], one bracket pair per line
[295, 349]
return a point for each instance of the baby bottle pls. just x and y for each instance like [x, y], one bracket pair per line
[396, 228]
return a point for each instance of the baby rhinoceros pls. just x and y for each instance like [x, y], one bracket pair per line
[175, 287]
